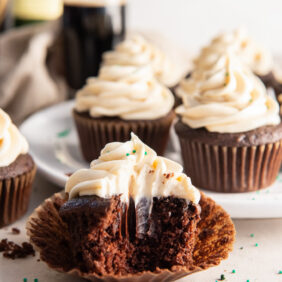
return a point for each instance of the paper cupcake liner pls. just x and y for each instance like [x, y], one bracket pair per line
[14, 197]
[50, 237]
[231, 169]
[95, 133]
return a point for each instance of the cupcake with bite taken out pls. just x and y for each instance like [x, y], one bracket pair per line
[17, 171]
[229, 128]
[131, 216]
[122, 99]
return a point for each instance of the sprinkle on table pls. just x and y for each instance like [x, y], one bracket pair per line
[241, 248]
[222, 277]
[248, 280]
[63, 133]
[134, 151]
[252, 235]
[25, 280]
[127, 154]
[233, 271]
[280, 272]
[256, 244]
[146, 153]
[35, 280]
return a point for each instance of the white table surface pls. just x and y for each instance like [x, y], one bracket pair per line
[253, 263]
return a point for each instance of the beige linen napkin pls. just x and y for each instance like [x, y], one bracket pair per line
[27, 82]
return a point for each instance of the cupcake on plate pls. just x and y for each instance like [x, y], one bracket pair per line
[229, 128]
[17, 171]
[132, 216]
[120, 100]
[137, 51]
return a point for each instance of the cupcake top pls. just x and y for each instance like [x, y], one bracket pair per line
[226, 97]
[128, 92]
[12, 142]
[137, 51]
[133, 170]
[250, 52]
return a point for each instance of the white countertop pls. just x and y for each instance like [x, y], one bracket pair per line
[254, 263]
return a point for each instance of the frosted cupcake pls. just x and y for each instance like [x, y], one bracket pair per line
[229, 128]
[137, 51]
[17, 171]
[123, 99]
[131, 216]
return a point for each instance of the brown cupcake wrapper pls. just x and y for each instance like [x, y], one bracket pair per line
[95, 133]
[231, 169]
[14, 196]
[50, 237]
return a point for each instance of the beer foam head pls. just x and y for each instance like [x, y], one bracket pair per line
[94, 3]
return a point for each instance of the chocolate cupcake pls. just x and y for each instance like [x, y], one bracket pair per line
[138, 52]
[230, 129]
[133, 216]
[17, 172]
[122, 99]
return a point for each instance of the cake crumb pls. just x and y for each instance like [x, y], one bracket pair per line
[15, 231]
[12, 250]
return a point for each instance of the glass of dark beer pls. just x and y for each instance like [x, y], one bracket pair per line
[90, 28]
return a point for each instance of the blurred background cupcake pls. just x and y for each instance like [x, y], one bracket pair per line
[121, 100]
[17, 171]
[229, 129]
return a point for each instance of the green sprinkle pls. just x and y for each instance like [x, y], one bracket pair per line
[256, 244]
[280, 272]
[127, 154]
[35, 280]
[222, 277]
[146, 153]
[248, 280]
[134, 151]
[25, 280]
[252, 235]
[63, 133]
[233, 271]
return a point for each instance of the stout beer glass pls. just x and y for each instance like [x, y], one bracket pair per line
[90, 27]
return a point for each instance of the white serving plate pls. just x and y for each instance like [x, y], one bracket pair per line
[54, 146]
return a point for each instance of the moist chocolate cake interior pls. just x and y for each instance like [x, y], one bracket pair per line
[110, 236]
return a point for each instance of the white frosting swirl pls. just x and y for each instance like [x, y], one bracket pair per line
[256, 57]
[125, 91]
[137, 51]
[133, 170]
[12, 142]
[226, 97]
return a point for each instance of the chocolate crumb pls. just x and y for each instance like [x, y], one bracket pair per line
[38, 260]
[12, 250]
[16, 231]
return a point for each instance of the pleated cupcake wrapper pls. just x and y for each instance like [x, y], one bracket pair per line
[14, 197]
[50, 237]
[94, 134]
[231, 169]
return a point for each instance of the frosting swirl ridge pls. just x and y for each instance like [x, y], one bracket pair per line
[12, 142]
[137, 51]
[125, 91]
[226, 97]
[133, 170]
[249, 52]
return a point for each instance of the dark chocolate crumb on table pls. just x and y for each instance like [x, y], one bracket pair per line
[12, 250]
